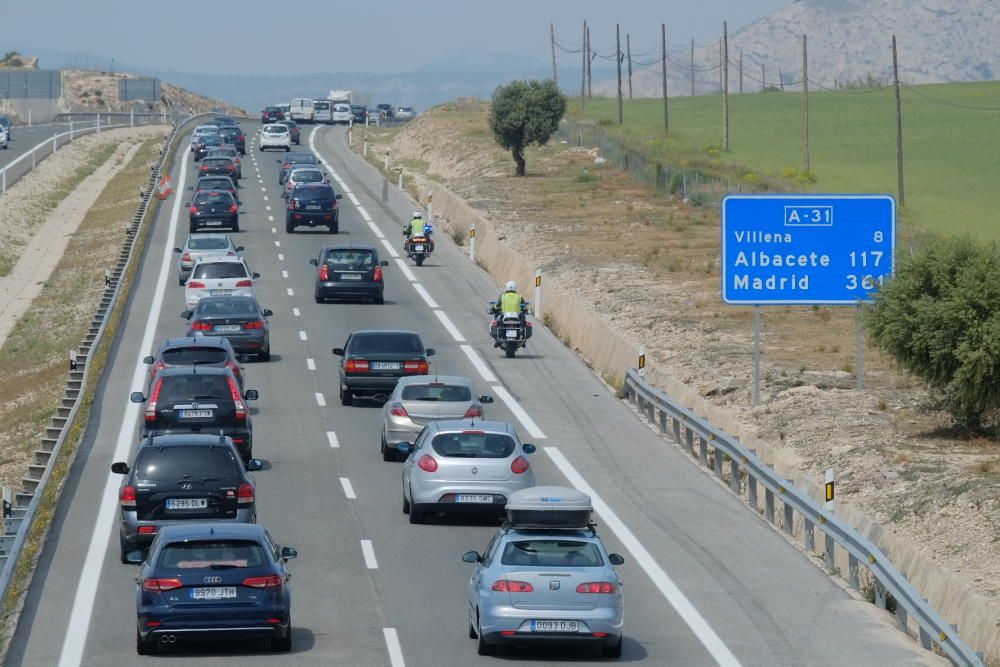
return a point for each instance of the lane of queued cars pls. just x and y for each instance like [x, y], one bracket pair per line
[188, 498]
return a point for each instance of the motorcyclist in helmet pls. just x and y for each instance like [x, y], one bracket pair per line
[418, 227]
[510, 301]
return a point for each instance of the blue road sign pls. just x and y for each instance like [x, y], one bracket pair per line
[805, 249]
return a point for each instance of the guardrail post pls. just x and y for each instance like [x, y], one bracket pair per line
[717, 462]
[807, 527]
[400, 186]
[71, 129]
[734, 476]
[852, 571]
[689, 439]
[663, 420]
[925, 639]
[828, 555]
[901, 617]
[54, 144]
[677, 430]
[769, 504]
[365, 149]
[29, 117]
[33, 159]
[752, 486]
[98, 123]
[3, 187]
[386, 165]
[880, 597]
[703, 450]
[789, 518]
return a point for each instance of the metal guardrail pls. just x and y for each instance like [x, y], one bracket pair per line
[716, 449]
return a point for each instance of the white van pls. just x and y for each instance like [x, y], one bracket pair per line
[342, 113]
[321, 111]
[301, 110]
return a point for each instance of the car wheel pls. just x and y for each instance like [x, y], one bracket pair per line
[181, 281]
[379, 300]
[288, 148]
[472, 630]
[319, 299]
[236, 227]
[265, 356]
[145, 647]
[283, 644]
[192, 229]
[290, 228]
[417, 515]
[483, 648]
[346, 396]
[124, 549]
[388, 453]
[335, 229]
[613, 651]
[406, 505]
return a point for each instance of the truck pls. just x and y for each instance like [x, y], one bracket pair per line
[349, 97]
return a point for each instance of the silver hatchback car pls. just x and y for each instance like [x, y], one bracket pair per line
[200, 246]
[420, 399]
[464, 466]
[546, 578]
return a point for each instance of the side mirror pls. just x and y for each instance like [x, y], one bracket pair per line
[615, 559]
[135, 557]
[186, 314]
[254, 464]
[314, 262]
[177, 250]
[288, 552]
[119, 468]
[267, 312]
[256, 275]
[485, 399]
[338, 351]
[251, 395]
[191, 188]
[340, 196]
[148, 359]
[430, 351]
[384, 262]
[404, 448]
[137, 397]
[239, 248]
[528, 448]
[472, 557]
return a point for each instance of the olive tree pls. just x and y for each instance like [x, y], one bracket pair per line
[524, 113]
[939, 318]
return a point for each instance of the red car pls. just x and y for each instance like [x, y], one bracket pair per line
[271, 115]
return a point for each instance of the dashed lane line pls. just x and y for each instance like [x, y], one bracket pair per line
[368, 551]
[348, 489]
[332, 439]
[406, 270]
[425, 295]
[320, 400]
[311, 364]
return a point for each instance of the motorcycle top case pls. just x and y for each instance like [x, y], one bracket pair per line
[549, 507]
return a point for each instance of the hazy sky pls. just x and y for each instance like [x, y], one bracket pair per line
[331, 35]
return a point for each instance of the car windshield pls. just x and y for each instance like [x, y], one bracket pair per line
[552, 553]
[188, 356]
[321, 106]
[349, 260]
[437, 391]
[386, 343]
[473, 445]
[211, 555]
[213, 270]
[300, 158]
[183, 388]
[213, 198]
[213, 140]
[172, 464]
[226, 308]
[307, 176]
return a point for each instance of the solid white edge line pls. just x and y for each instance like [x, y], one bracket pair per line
[519, 412]
[320, 400]
[353, 198]
[425, 295]
[332, 438]
[311, 364]
[303, 336]
[364, 213]
[348, 489]
[368, 551]
[484, 370]
[375, 230]
[392, 645]
[447, 323]
[77, 630]
[390, 248]
[694, 620]
[406, 270]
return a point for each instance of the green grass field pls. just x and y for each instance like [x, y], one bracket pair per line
[952, 155]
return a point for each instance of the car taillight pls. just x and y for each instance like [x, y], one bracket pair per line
[474, 411]
[377, 274]
[293, 204]
[245, 494]
[596, 587]
[147, 530]
[397, 410]
[244, 283]
[230, 168]
[186, 257]
[204, 167]
[324, 273]
[234, 209]
[194, 210]
[241, 138]
[428, 463]
[127, 496]
[416, 367]
[158, 585]
[254, 324]
[519, 465]
[241, 407]
[356, 366]
[270, 581]
[201, 326]
[151, 403]
[195, 284]
[507, 586]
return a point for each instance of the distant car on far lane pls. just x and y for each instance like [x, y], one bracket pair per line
[294, 131]
[349, 272]
[271, 115]
[386, 110]
[214, 209]
[405, 113]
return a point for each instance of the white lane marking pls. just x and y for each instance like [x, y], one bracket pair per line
[290, 291]
[395, 650]
[281, 258]
[296, 312]
[452, 329]
[302, 335]
[348, 489]
[375, 229]
[353, 198]
[332, 437]
[369, 553]
[406, 270]
[263, 189]
[311, 364]
[484, 370]
[425, 295]
[390, 248]
[265, 199]
[268, 207]
[364, 214]
[270, 218]
[519, 412]
[284, 274]
[277, 244]
[274, 230]
[699, 626]
[320, 400]
[90, 576]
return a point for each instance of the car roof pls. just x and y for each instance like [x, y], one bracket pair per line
[385, 331]
[209, 235]
[192, 341]
[304, 167]
[171, 371]
[434, 379]
[212, 530]
[304, 187]
[351, 246]
[222, 259]
[559, 533]
[292, 156]
[178, 439]
[458, 425]
[231, 297]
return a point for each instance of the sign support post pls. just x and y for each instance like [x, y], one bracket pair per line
[756, 355]
[859, 362]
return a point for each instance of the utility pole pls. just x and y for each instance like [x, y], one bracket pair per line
[899, 125]
[618, 59]
[590, 68]
[552, 39]
[781, 79]
[720, 64]
[628, 50]
[725, 87]
[663, 53]
[583, 68]
[805, 105]
[741, 71]
[763, 79]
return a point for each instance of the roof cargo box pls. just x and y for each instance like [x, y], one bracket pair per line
[549, 507]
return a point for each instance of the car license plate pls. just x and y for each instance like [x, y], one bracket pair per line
[555, 626]
[187, 503]
[385, 365]
[510, 333]
[473, 498]
[350, 276]
[196, 414]
[313, 207]
[214, 593]
[227, 328]
[213, 223]
[221, 292]
[418, 248]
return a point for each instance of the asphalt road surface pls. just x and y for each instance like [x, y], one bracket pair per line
[706, 582]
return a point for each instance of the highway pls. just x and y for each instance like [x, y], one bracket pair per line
[26, 138]
[706, 582]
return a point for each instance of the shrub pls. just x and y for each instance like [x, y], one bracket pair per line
[939, 317]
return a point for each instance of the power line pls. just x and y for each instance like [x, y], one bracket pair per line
[957, 105]
[688, 68]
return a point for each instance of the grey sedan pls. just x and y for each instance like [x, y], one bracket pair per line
[199, 246]
[238, 319]
[464, 466]
[416, 401]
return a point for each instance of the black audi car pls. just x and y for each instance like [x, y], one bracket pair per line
[373, 361]
[349, 272]
[238, 319]
[214, 209]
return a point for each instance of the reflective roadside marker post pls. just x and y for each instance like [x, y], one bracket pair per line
[365, 153]
[386, 165]
[472, 242]
[830, 507]
[642, 361]
[538, 294]
[430, 206]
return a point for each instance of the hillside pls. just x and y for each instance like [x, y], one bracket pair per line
[939, 41]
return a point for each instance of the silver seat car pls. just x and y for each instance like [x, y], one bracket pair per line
[546, 577]
[420, 399]
[464, 466]
[199, 247]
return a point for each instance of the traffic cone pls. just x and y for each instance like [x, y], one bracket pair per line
[165, 189]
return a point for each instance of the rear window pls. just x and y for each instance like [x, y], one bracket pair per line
[386, 343]
[227, 307]
[195, 461]
[186, 356]
[213, 140]
[307, 176]
[215, 184]
[313, 193]
[445, 393]
[321, 106]
[272, 109]
[209, 198]
[212, 270]
[552, 553]
[473, 445]
[180, 388]
[208, 243]
[349, 260]
[272, 129]
[216, 162]
[300, 158]
[205, 555]
[342, 107]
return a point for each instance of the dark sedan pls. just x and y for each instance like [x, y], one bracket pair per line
[207, 351]
[349, 272]
[374, 360]
[294, 158]
[212, 581]
[213, 209]
[234, 135]
[360, 112]
[271, 115]
[210, 183]
[218, 166]
[293, 131]
[313, 204]
[204, 144]
[238, 319]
